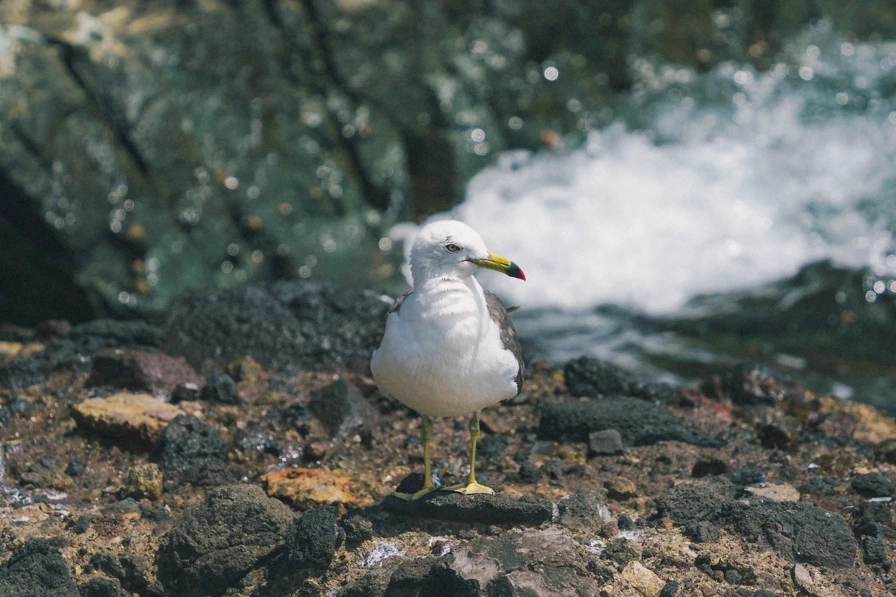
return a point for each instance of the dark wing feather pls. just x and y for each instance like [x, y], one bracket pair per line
[499, 313]
[397, 304]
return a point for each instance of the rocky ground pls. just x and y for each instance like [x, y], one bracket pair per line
[240, 447]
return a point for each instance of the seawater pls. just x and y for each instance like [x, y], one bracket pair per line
[708, 183]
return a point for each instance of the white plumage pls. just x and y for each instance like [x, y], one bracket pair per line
[442, 353]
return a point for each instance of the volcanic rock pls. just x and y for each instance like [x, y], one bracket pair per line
[311, 538]
[190, 448]
[486, 509]
[800, 532]
[221, 539]
[638, 421]
[37, 568]
[220, 388]
[343, 410]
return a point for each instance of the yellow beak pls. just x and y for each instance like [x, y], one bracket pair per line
[500, 264]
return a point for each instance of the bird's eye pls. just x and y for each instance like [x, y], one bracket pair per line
[452, 247]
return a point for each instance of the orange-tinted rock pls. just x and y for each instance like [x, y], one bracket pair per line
[139, 418]
[310, 487]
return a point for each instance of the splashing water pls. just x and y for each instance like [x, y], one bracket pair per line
[731, 198]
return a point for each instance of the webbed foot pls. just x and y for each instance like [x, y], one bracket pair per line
[470, 488]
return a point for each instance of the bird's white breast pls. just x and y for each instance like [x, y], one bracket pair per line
[442, 354]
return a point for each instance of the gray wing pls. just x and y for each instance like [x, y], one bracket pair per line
[499, 313]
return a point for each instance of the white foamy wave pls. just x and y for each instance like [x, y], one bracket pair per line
[742, 196]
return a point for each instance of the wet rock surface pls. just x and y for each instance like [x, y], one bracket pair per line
[287, 490]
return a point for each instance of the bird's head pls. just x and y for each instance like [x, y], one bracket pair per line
[451, 248]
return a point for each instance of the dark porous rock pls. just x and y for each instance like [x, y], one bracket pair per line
[776, 436]
[670, 590]
[311, 538]
[187, 444]
[103, 587]
[74, 468]
[209, 327]
[36, 568]
[519, 563]
[587, 376]
[750, 384]
[604, 443]
[140, 370]
[530, 472]
[874, 550]
[800, 532]
[873, 512]
[220, 388]
[357, 529]
[553, 469]
[622, 551]
[884, 452]
[19, 407]
[126, 506]
[491, 446]
[476, 508]
[108, 564]
[583, 510]
[409, 577]
[341, 326]
[93, 335]
[639, 422]
[873, 485]
[372, 584]
[343, 410]
[702, 531]
[626, 523]
[220, 540]
[709, 467]
[21, 373]
[430, 576]
[87, 339]
[285, 325]
[695, 501]
[413, 482]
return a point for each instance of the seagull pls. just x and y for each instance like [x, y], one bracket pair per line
[449, 348]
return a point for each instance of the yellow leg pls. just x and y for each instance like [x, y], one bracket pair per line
[426, 438]
[472, 486]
